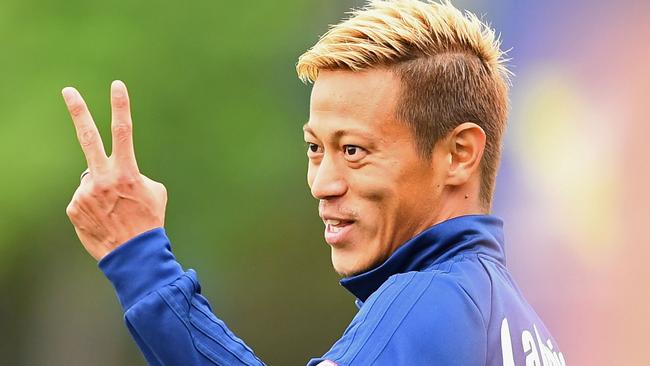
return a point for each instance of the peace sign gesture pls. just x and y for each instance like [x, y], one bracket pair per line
[114, 202]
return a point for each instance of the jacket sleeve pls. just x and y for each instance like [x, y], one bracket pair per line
[421, 318]
[164, 310]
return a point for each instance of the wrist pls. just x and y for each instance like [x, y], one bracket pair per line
[140, 266]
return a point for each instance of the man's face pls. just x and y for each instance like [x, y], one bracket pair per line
[375, 192]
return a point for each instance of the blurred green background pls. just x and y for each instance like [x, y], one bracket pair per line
[218, 112]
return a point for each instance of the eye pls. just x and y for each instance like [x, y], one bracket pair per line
[354, 153]
[351, 149]
[313, 149]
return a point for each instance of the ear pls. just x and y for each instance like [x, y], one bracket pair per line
[465, 147]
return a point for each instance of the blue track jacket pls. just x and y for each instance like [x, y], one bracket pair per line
[445, 297]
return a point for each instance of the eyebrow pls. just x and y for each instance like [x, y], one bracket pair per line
[341, 132]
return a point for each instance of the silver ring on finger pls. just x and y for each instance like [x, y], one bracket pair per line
[85, 173]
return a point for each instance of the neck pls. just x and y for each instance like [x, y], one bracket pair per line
[451, 202]
[459, 201]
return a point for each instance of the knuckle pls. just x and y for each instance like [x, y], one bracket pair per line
[82, 200]
[87, 137]
[72, 210]
[100, 186]
[128, 181]
[120, 101]
[85, 196]
[76, 109]
[122, 131]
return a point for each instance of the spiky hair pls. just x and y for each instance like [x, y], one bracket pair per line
[387, 32]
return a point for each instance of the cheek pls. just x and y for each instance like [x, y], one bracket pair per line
[390, 197]
[375, 199]
[375, 189]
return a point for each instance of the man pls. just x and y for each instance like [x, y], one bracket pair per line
[407, 112]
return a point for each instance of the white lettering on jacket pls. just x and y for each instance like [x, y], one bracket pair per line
[537, 352]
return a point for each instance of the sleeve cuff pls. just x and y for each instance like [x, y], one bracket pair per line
[140, 266]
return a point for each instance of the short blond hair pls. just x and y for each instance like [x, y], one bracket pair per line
[450, 65]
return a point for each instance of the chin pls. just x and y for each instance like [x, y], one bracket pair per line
[343, 273]
[347, 266]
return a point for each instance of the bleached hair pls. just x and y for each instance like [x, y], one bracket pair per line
[387, 32]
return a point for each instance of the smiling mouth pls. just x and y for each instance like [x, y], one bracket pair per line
[335, 226]
[337, 230]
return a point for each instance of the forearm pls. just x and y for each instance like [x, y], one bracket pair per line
[164, 311]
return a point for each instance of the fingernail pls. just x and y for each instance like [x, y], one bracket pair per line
[68, 94]
[117, 84]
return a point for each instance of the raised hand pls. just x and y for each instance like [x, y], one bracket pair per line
[114, 202]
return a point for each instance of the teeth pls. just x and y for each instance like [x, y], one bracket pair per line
[334, 229]
[332, 222]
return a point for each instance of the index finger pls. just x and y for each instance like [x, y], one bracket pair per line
[87, 133]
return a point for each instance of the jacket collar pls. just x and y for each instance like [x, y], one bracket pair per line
[476, 233]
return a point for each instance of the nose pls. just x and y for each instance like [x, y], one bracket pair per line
[328, 180]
